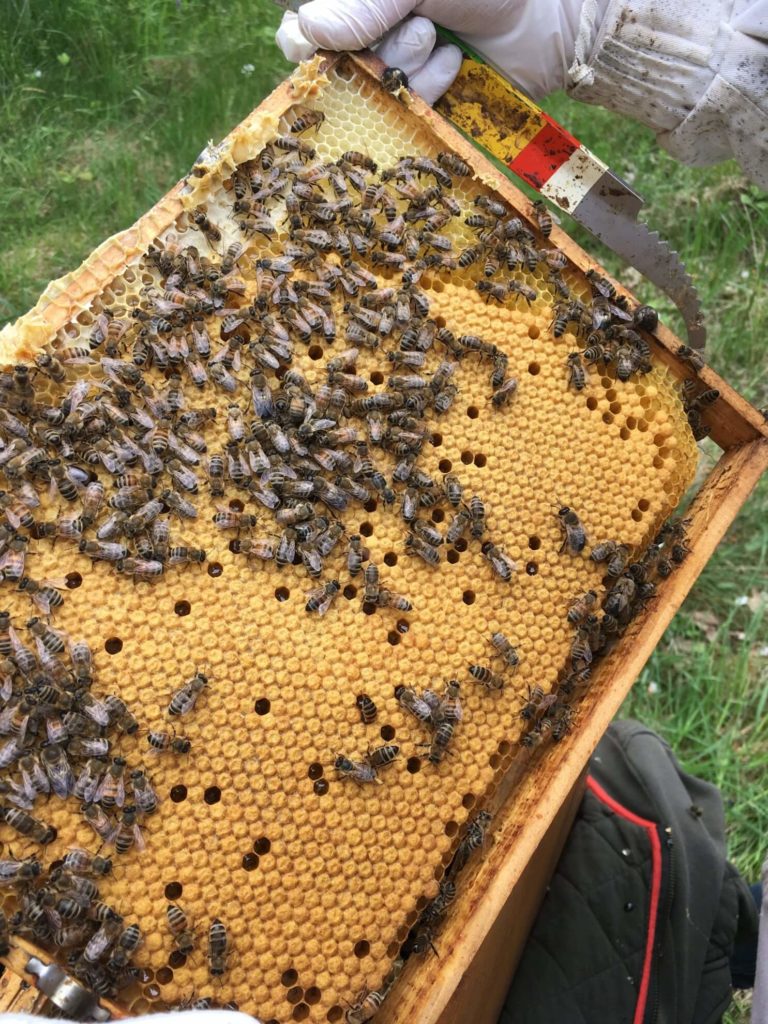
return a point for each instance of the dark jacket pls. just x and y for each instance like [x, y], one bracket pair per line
[642, 914]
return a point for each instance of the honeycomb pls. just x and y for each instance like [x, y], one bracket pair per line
[317, 879]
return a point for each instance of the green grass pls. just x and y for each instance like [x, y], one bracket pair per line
[104, 106]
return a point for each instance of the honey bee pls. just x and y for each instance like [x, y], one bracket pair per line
[320, 599]
[88, 783]
[227, 519]
[486, 677]
[619, 598]
[367, 708]
[359, 771]
[502, 394]
[454, 164]
[161, 741]
[692, 357]
[111, 791]
[491, 206]
[178, 923]
[101, 941]
[44, 593]
[574, 535]
[505, 649]
[128, 833]
[579, 609]
[126, 946]
[441, 740]
[543, 218]
[577, 374]
[211, 232]
[28, 826]
[382, 756]
[365, 1007]
[52, 641]
[80, 862]
[58, 770]
[418, 546]
[503, 566]
[184, 699]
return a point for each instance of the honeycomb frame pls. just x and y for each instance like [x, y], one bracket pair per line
[62, 300]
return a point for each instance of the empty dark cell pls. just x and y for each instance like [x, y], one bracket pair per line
[295, 994]
[452, 556]
[212, 795]
[494, 761]
[74, 580]
[636, 514]
[173, 890]
[368, 607]
[607, 417]
[377, 377]
[143, 975]
[262, 845]
[480, 460]
[390, 559]
[461, 544]
[300, 1011]
[250, 861]
[366, 529]
[473, 412]
[468, 800]
[591, 403]
[164, 976]
[393, 637]
[321, 787]
[315, 771]
[468, 597]
[436, 440]
[403, 626]
[445, 465]
[152, 991]
[371, 505]
[315, 352]
[334, 1014]
[392, 950]
[215, 569]
[534, 543]
[182, 607]
[289, 978]
[387, 732]
[467, 458]
[643, 504]
[234, 546]
[532, 568]
[114, 645]
[413, 765]
[350, 592]
[504, 748]
[262, 706]
[312, 995]
[534, 369]
[451, 828]
[362, 948]
[282, 594]
[236, 505]
[178, 794]
[176, 959]
[438, 516]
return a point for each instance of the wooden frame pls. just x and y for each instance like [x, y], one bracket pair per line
[480, 943]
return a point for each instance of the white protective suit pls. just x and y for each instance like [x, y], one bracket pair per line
[695, 73]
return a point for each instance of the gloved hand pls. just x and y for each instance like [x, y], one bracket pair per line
[531, 42]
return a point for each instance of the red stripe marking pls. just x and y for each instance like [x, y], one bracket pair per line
[550, 147]
[653, 836]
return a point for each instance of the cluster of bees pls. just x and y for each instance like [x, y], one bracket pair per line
[422, 935]
[59, 737]
[117, 434]
[599, 624]
[695, 397]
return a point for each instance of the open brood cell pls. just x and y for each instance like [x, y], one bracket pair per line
[319, 880]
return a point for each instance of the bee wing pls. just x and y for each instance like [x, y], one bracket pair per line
[120, 794]
[138, 838]
[97, 710]
[42, 602]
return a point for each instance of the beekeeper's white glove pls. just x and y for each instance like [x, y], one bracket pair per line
[697, 74]
[530, 41]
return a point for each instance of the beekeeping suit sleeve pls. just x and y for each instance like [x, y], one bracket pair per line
[696, 73]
